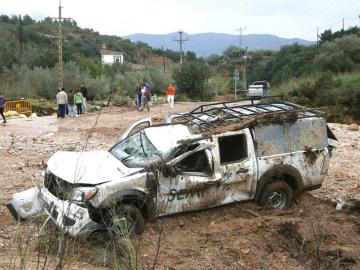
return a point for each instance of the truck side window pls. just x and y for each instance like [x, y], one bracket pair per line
[232, 148]
[196, 162]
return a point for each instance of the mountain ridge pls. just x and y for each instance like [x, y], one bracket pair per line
[205, 44]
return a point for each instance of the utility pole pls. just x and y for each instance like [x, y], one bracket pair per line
[240, 29]
[60, 48]
[181, 41]
[245, 70]
[60, 52]
[163, 57]
[317, 36]
[21, 38]
[343, 24]
[236, 78]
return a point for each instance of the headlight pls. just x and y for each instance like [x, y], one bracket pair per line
[82, 194]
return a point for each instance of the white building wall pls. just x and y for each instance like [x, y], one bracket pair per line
[110, 59]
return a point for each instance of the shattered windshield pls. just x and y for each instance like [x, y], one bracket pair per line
[136, 151]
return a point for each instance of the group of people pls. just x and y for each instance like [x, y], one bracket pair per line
[72, 103]
[143, 95]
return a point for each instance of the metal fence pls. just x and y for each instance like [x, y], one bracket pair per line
[20, 106]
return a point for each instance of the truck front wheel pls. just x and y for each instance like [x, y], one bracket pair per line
[277, 195]
[126, 220]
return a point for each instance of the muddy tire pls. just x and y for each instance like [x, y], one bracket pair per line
[277, 195]
[126, 220]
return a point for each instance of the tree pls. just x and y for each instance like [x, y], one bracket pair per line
[190, 56]
[340, 55]
[192, 77]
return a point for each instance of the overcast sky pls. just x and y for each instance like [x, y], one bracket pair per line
[284, 18]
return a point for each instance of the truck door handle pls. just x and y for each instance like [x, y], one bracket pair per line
[242, 170]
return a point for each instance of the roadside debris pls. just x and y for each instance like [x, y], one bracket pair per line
[353, 127]
[15, 115]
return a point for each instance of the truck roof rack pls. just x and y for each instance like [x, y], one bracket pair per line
[209, 117]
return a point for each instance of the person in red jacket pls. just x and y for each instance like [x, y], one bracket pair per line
[170, 94]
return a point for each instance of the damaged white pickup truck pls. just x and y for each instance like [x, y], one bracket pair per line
[216, 154]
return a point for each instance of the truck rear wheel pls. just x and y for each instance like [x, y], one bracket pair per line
[277, 195]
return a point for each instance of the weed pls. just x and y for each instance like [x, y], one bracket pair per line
[310, 155]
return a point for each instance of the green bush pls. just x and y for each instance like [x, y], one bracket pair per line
[218, 85]
[341, 95]
[340, 55]
[192, 78]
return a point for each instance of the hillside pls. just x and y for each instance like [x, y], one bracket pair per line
[34, 43]
[205, 44]
[28, 58]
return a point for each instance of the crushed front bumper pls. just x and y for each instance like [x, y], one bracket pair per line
[69, 217]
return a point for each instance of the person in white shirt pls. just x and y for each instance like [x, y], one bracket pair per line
[61, 99]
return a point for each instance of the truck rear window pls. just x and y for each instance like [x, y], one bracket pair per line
[232, 148]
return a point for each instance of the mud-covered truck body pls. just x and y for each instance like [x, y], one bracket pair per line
[214, 155]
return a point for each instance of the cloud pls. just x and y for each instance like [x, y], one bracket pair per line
[286, 18]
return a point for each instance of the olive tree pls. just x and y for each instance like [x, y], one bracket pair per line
[192, 77]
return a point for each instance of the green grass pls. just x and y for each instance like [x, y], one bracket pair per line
[346, 80]
[351, 79]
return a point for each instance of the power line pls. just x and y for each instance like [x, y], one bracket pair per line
[329, 26]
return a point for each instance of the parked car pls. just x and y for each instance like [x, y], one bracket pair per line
[259, 89]
[214, 155]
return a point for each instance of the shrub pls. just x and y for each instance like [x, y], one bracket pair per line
[192, 79]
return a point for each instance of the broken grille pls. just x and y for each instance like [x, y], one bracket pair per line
[57, 187]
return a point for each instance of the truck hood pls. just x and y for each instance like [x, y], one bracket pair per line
[93, 167]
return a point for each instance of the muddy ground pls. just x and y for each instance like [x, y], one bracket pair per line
[310, 235]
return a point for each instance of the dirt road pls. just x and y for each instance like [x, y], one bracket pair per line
[312, 234]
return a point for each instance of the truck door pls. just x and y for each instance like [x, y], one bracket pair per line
[187, 185]
[237, 165]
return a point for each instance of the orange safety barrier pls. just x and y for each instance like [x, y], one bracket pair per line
[20, 106]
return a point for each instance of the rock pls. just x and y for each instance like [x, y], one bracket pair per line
[181, 223]
[353, 127]
[11, 113]
[340, 204]
[245, 251]
[340, 175]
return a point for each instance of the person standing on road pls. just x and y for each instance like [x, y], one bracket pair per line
[138, 95]
[170, 95]
[143, 98]
[61, 99]
[71, 104]
[84, 92]
[148, 95]
[78, 100]
[2, 105]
